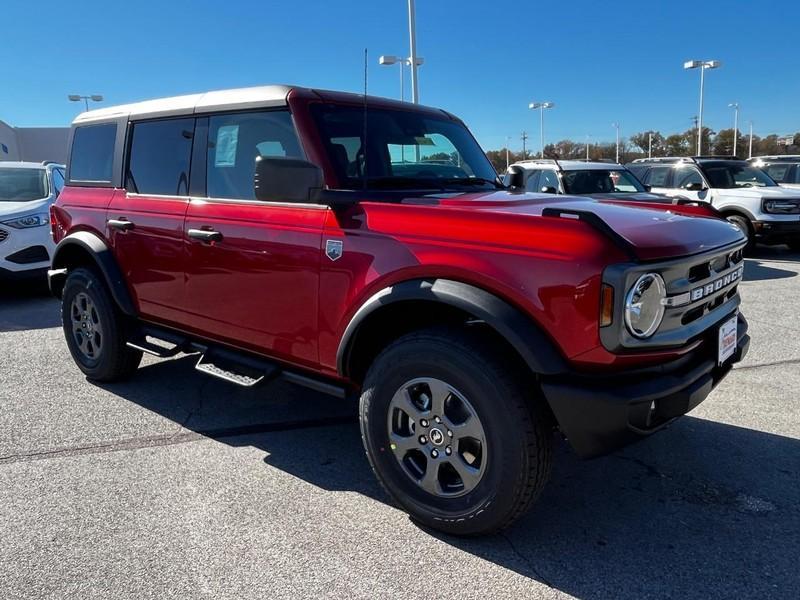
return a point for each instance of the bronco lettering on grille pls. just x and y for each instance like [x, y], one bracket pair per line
[716, 285]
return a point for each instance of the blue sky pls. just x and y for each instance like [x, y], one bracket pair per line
[599, 61]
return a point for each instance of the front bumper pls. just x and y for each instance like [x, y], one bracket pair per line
[25, 250]
[776, 232]
[599, 413]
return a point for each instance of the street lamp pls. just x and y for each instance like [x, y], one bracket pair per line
[389, 59]
[735, 107]
[541, 106]
[616, 126]
[508, 143]
[702, 65]
[412, 38]
[750, 153]
[649, 144]
[78, 98]
[587, 147]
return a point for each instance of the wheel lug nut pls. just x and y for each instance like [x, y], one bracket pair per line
[434, 453]
[424, 422]
[448, 451]
[423, 439]
[449, 433]
[437, 419]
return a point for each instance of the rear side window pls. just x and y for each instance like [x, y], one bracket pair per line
[159, 157]
[234, 143]
[92, 157]
[532, 185]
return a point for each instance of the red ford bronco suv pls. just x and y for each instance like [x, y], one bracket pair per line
[354, 244]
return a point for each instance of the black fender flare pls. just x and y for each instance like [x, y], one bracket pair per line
[518, 329]
[92, 245]
[735, 210]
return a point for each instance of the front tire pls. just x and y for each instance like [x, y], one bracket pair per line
[794, 244]
[450, 431]
[744, 225]
[95, 329]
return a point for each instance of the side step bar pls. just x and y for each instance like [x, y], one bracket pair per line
[235, 368]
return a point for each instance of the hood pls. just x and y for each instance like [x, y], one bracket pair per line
[643, 196]
[777, 191]
[12, 209]
[653, 234]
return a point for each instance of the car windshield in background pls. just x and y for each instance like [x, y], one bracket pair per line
[22, 185]
[729, 176]
[600, 181]
[405, 150]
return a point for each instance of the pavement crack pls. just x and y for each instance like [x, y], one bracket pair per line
[169, 439]
[526, 560]
[788, 361]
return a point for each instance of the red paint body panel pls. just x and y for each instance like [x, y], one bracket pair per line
[267, 286]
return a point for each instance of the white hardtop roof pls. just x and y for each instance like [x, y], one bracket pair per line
[235, 99]
[567, 165]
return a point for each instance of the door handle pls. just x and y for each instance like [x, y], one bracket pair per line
[120, 224]
[204, 235]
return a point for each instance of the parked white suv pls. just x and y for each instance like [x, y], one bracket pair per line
[26, 192]
[577, 178]
[744, 194]
[784, 169]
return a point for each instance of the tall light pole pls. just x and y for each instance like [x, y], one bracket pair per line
[390, 59]
[587, 147]
[508, 143]
[750, 152]
[78, 98]
[412, 35]
[735, 107]
[702, 65]
[649, 144]
[616, 126]
[524, 148]
[541, 106]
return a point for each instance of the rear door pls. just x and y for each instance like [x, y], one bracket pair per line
[659, 179]
[145, 219]
[252, 276]
[685, 179]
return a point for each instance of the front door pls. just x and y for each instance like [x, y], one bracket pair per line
[145, 220]
[252, 276]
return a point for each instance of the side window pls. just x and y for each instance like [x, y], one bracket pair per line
[657, 176]
[778, 172]
[159, 157]
[57, 177]
[532, 184]
[685, 176]
[234, 143]
[92, 156]
[548, 179]
[797, 173]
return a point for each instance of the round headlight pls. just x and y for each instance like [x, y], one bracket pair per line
[644, 308]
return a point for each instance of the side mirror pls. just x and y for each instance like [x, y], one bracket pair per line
[283, 179]
[694, 187]
[549, 189]
[515, 177]
[647, 188]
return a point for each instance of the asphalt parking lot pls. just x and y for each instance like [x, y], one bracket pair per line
[175, 485]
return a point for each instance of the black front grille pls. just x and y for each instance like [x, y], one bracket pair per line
[3, 235]
[32, 254]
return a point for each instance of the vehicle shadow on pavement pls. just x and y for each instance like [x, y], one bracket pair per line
[703, 509]
[27, 305]
[756, 270]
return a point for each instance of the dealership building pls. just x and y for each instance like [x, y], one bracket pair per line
[34, 144]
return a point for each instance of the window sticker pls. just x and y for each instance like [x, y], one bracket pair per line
[227, 139]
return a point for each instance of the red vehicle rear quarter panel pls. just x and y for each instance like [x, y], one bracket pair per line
[82, 209]
[549, 268]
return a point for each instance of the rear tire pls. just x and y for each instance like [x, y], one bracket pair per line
[794, 244]
[496, 462]
[95, 329]
[743, 223]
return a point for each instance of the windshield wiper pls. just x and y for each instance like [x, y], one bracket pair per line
[473, 181]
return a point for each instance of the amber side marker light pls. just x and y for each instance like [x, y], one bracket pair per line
[606, 305]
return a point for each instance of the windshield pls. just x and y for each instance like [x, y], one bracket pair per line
[405, 150]
[22, 185]
[599, 181]
[728, 176]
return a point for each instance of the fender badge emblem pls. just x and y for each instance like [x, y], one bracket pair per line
[333, 249]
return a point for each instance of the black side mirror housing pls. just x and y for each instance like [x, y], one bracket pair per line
[647, 188]
[284, 179]
[694, 187]
[515, 177]
[549, 189]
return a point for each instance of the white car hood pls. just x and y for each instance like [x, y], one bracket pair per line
[9, 210]
[759, 192]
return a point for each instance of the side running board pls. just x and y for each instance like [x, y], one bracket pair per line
[235, 368]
